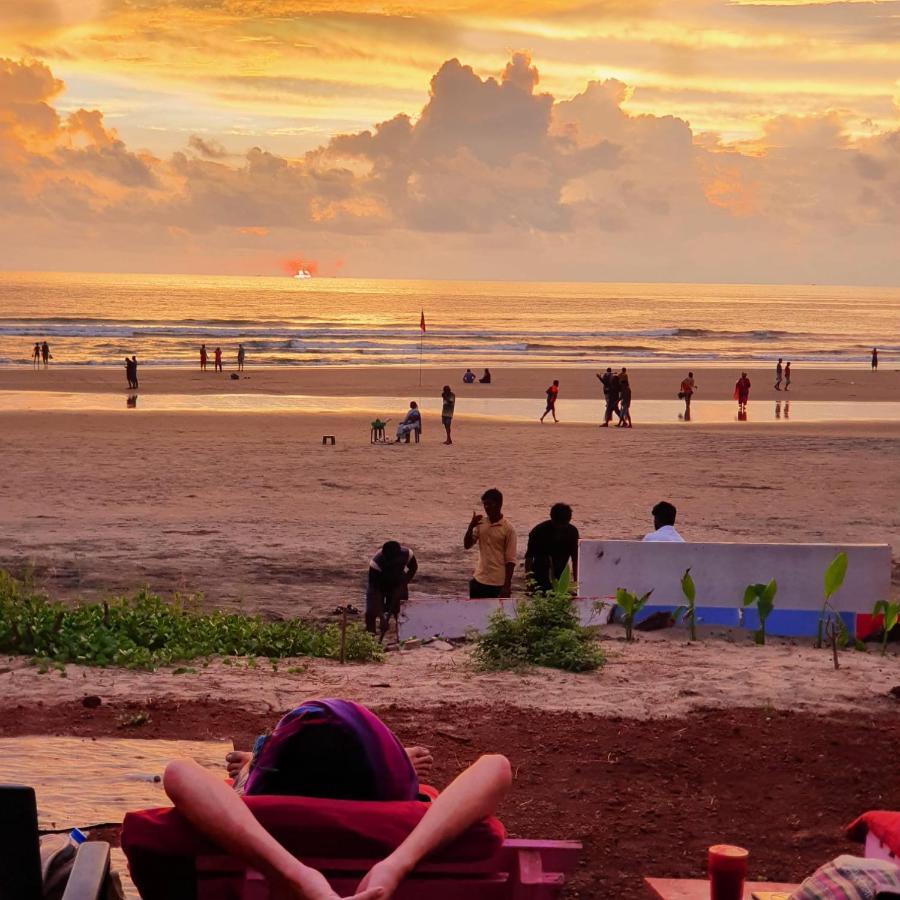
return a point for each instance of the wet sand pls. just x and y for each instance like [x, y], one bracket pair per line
[648, 382]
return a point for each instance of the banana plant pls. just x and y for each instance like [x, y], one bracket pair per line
[688, 612]
[763, 595]
[829, 619]
[891, 612]
[631, 605]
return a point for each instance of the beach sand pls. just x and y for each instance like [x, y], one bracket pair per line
[251, 509]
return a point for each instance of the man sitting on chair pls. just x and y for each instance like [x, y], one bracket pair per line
[411, 422]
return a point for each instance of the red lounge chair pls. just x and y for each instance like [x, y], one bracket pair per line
[169, 860]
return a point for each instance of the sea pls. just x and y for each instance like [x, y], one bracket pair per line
[97, 319]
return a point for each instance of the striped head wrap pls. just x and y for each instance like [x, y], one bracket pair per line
[332, 748]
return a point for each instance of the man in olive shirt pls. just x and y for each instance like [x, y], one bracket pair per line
[496, 540]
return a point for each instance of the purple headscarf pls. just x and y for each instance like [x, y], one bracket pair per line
[336, 749]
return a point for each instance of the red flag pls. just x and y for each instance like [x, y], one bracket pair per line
[422, 321]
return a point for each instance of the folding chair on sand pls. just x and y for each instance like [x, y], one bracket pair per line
[21, 875]
[343, 839]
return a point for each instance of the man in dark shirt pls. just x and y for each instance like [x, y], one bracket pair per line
[390, 572]
[552, 545]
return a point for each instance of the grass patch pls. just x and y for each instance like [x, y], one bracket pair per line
[144, 631]
[544, 631]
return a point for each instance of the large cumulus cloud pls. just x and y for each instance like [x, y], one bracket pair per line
[500, 176]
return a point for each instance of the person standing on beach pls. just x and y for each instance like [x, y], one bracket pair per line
[552, 394]
[625, 400]
[129, 373]
[612, 400]
[874, 358]
[778, 375]
[203, 357]
[552, 546]
[742, 393]
[787, 375]
[447, 407]
[217, 360]
[496, 540]
[45, 354]
[240, 357]
[36, 355]
[134, 365]
[688, 386]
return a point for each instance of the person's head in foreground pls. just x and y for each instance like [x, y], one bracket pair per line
[492, 501]
[560, 514]
[333, 748]
[663, 514]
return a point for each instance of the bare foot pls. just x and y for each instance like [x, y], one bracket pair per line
[421, 759]
[235, 761]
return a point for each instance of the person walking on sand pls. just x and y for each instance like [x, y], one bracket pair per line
[779, 374]
[496, 540]
[134, 365]
[45, 354]
[612, 400]
[447, 407]
[624, 400]
[552, 394]
[240, 358]
[688, 386]
[787, 375]
[874, 358]
[129, 373]
[36, 355]
[742, 392]
[203, 357]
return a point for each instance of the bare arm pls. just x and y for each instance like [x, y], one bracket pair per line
[411, 568]
[213, 808]
[474, 794]
[469, 539]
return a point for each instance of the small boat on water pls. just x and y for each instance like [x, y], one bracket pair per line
[303, 273]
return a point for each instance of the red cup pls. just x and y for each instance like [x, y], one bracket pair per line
[727, 868]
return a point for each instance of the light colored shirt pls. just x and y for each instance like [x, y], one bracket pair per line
[666, 533]
[496, 543]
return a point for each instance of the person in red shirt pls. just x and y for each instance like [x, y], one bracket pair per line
[552, 394]
[742, 393]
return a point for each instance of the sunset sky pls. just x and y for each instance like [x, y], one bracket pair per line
[684, 140]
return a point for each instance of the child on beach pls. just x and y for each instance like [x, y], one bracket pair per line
[742, 393]
[552, 393]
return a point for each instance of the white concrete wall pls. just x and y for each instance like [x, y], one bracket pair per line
[453, 617]
[721, 572]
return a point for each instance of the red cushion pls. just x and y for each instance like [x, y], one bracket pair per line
[161, 844]
[883, 824]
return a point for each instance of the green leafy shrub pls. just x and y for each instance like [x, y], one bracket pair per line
[631, 605]
[688, 612]
[144, 631]
[544, 631]
[763, 595]
[891, 612]
[829, 619]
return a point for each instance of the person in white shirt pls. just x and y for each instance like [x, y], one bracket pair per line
[664, 524]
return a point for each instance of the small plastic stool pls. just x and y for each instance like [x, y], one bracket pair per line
[326, 438]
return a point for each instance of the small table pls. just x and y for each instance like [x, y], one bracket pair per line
[698, 888]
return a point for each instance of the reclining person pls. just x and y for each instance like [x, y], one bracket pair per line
[411, 422]
[340, 750]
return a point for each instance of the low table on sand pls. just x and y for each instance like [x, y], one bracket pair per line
[698, 888]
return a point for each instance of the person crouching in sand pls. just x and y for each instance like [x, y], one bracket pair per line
[332, 749]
